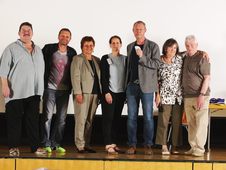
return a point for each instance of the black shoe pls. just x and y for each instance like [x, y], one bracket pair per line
[89, 150]
[82, 151]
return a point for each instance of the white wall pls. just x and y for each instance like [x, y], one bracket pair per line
[104, 18]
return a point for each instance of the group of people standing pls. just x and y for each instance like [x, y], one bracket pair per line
[173, 79]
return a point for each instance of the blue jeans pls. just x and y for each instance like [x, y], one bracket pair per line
[52, 99]
[134, 95]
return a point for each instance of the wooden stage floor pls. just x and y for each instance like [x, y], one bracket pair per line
[213, 160]
[215, 155]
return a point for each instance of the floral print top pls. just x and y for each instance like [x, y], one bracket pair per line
[170, 81]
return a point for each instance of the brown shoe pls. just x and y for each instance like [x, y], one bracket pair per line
[174, 150]
[131, 150]
[148, 150]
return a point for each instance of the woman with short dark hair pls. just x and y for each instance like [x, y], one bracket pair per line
[85, 76]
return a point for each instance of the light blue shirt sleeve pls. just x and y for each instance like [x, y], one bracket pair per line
[5, 62]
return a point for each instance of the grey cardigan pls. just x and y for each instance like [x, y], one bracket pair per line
[148, 65]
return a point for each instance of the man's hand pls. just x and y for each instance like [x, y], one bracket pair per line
[5, 91]
[139, 52]
[200, 102]
[5, 87]
[206, 56]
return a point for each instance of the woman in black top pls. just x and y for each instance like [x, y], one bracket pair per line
[113, 86]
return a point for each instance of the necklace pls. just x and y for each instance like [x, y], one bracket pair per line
[167, 60]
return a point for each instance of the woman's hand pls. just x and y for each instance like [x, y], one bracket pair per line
[157, 99]
[79, 98]
[108, 98]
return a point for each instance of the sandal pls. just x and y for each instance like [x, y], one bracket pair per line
[111, 149]
[14, 152]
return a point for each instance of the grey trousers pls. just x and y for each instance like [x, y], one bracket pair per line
[176, 112]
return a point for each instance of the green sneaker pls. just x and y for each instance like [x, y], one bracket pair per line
[48, 149]
[60, 149]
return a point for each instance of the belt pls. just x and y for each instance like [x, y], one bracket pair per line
[136, 82]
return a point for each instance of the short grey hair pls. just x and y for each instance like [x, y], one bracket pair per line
[139, 22]
[190, 38]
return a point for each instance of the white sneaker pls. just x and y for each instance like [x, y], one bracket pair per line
[41, 151]
[165, 151]
[14, 152]
[189, 152]
[197, 153]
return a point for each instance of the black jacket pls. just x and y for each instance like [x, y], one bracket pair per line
[105, 74]
[48, 51]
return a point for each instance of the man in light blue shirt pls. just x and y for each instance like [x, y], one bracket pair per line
[21, 71]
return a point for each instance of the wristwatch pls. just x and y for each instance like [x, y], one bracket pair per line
[201, 94]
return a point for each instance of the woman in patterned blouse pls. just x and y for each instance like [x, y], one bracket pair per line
[169, 96]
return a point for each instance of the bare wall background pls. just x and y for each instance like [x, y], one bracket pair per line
[104, 18]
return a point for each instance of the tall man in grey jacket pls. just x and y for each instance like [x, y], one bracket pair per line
[141, 78]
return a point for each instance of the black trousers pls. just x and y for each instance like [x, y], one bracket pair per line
[27, 109]
[111, 117]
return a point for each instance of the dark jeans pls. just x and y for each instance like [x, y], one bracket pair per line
[16, 110]
[51, 98]
[134, 95]
[111, 117]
